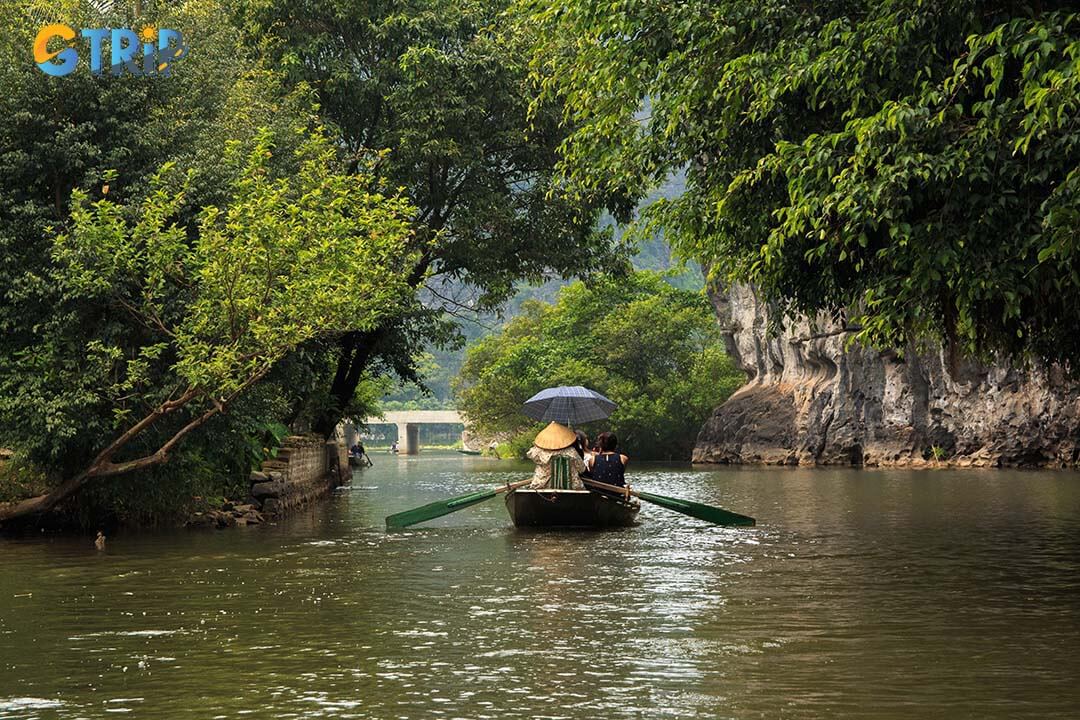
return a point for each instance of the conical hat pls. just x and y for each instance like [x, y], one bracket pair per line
[555, 437]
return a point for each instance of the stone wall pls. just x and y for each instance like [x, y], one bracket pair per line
[306, 467]
[808, 401]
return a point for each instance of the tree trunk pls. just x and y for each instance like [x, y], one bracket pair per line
[356, 352]
[103, 465]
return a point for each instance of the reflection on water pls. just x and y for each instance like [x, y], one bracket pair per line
[872, 594]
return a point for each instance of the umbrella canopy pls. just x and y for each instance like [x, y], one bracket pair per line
[568, 405]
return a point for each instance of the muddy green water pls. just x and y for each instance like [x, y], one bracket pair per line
[868, 594]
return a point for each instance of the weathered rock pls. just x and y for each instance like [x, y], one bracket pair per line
[485, 443]
[221, 518]
[263, 490]
[808, 401]
[201, 520]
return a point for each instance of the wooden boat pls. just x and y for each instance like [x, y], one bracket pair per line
[550, 507]
[360, 461]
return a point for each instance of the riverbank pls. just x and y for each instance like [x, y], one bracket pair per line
[302, 470]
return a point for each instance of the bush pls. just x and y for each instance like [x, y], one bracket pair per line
[654, 349]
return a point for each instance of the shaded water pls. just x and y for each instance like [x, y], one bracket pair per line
[870, 594]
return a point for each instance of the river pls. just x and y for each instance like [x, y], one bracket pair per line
[868, 594]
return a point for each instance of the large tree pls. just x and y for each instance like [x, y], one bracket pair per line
[434, 82]
[908, 167]
[107, 137]
[61, 134]
[162, 333]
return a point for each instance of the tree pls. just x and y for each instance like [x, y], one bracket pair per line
[167, 328]
[653, 349]
[433, 81]
[62, 134]
[908, 167]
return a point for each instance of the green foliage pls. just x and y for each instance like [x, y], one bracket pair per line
[652, 348]
[108, 137]
[438, 367]
[438, 84]
[516, 447]
[18, 479]
[163, 495]
[150, 316]
[905, 165]
[433, 81]
[266, 447]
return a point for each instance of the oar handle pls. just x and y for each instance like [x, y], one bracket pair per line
[509, 487]
[612, 488]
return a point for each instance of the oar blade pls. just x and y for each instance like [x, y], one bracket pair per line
[701, 511]
[436, 509]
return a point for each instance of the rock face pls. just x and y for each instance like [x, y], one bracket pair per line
[808, 401]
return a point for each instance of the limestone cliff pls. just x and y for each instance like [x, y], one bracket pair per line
[808, 401]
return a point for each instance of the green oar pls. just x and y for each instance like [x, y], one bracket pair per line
[710, 513]
[445, 507]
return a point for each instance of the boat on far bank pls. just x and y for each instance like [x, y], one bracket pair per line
[466, 451]
[550, 507]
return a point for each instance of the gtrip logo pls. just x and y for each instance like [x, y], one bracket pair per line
[149, 52]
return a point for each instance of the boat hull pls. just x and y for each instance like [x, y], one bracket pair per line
[569, 508]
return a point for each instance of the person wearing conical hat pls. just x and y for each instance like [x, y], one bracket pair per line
[555, 441]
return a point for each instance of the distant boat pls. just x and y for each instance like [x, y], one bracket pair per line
[466, 451]
[569, 508]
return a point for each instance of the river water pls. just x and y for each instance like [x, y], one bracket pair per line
[868, 594]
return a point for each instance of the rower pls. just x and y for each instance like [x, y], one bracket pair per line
[558, 464]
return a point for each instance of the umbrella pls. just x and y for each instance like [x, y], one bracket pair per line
[568, 405]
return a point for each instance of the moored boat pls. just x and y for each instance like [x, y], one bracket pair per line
[550, 507]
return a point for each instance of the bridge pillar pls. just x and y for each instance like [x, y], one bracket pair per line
[408, 438]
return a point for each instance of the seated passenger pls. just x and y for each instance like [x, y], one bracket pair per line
[608, 466]
[585, 450]
[552, 449]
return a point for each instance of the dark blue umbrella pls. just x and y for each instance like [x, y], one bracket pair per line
[568, 405]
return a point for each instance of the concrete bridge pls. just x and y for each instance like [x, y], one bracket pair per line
[408, 426]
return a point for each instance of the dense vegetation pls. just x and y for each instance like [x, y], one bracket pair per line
[908, 167]
[83, 355]
[655, 350]
[439, 85]
[134, 327]
[397, 167]
[439, 366]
